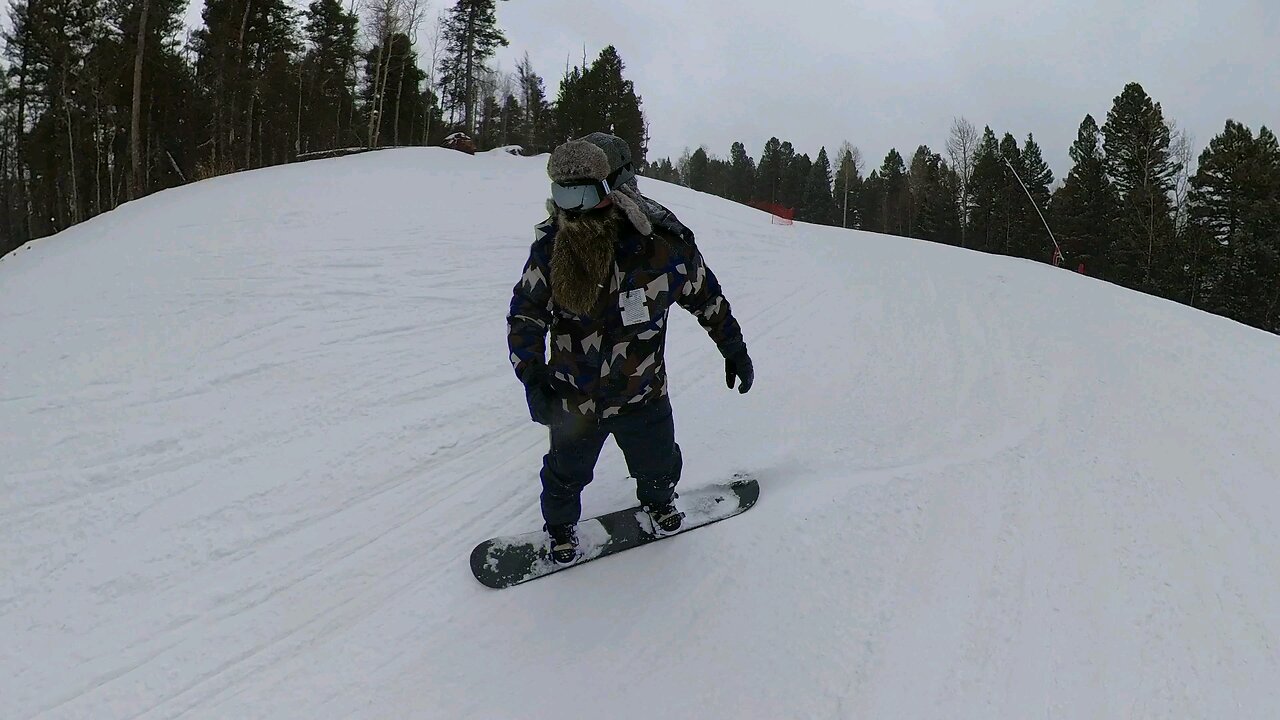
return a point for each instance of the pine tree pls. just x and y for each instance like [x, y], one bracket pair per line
[1235, 206]
[103, 96]
[933, 198]
[947, 204]
[718, 171]
[1224, 192]
[849, 188]
[895, 196]
[698, 175]
[600, 99]
[170, 108]
[436, 129]
[769, 172]
[535, 130]
[668, 172]
[52, 40]
[243, 60]
[11, 212]
[18, 42]
[616, 104]
[1084, 208]
[471, 37]
[1266, 248]
[1136, 139]
[920, 180]
[818, 206]
[742, 173]
[509, 133]
[795, 178]
[1011, 210]
[326, 113]
[137, 176]
[663, 170]
[571, 107]
[1037, 177]
[871, 207]
[787, 188]
[489, 129]
[986, 191]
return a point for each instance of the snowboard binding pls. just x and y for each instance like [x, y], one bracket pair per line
[563, 543]
[666, 518]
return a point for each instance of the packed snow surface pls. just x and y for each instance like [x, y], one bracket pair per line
[251, 428]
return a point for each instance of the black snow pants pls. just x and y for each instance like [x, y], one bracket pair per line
[647, 439]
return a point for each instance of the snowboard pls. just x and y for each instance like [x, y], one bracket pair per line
[510, 560]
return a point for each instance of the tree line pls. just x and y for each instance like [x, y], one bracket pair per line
[105, 101]
[1133, 209]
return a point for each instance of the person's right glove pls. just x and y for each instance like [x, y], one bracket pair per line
[539, 394]
[739, 366]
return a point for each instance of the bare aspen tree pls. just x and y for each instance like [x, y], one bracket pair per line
[961, 146]
[135, 125]
[1180, 149]
[24, 187]
[352, 77]
[411, 19]
[385, 21]
[529, 96]
[843, 170]
[1181, 145]
[437, 33]
[248, 141]
[471, 37]
[297, 128]
[506, 89]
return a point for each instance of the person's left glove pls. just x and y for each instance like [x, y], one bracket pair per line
[738, 366]
[539, 394]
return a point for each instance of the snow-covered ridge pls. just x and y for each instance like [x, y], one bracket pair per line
[251, 428]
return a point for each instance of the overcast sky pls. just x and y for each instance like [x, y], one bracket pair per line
[894, 73]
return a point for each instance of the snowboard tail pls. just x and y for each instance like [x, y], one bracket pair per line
[501, 562]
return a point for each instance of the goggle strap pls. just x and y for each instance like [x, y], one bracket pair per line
[613, 176]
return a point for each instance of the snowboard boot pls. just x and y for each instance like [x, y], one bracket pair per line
[666, 518]
[564, 543]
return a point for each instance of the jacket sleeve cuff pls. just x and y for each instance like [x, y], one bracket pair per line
[734, 345]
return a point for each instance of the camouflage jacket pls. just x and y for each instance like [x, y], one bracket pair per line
[603, 365]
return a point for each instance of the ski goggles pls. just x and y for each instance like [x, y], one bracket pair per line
[577, 196]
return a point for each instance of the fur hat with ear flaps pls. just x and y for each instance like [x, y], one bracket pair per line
[584, 251]
[596, 157]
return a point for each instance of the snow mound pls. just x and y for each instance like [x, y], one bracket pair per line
[252, 427]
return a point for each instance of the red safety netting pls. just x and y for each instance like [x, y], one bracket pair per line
[779, 214]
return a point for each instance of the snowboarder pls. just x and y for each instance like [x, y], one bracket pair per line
[603, 271]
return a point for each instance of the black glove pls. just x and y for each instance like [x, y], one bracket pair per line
[738, 366]
[539, 394]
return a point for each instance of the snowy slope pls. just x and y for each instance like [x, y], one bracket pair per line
[251, 428]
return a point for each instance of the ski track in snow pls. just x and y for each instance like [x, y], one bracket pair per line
[252, 427]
